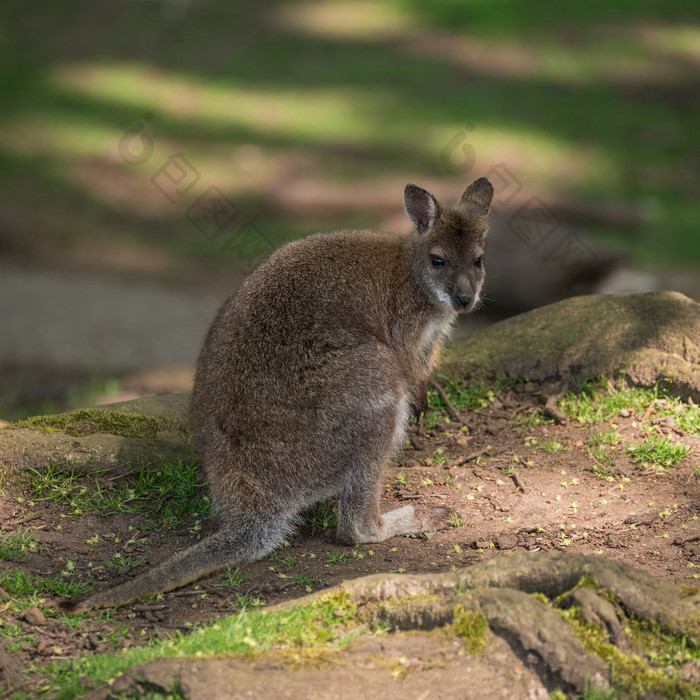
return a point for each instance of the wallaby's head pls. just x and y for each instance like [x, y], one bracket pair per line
[448, 244]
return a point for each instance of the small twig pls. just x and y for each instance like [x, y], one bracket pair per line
[147, 608]
[121, 476]
[686, 538]
[647, 413]
[181, 594]
[484, 475]
[517, 482]
[599, 463]
[550, 407]
[495, 413]
[28, 518]
[450, 408]
[413, 443]
[475, 455]
[213, 590]
[482, 451]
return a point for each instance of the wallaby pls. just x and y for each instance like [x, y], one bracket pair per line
[308, 378]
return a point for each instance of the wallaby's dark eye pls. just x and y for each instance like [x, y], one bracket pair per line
[478, 261]
[437, 261]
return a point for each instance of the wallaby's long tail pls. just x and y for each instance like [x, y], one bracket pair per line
[230, 545]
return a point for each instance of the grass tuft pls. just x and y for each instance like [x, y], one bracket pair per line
[658, 452]
[166, 495]
[19, 545]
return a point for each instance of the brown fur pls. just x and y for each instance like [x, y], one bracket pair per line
[307, 379]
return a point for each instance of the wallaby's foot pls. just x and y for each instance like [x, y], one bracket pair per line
[402, 521]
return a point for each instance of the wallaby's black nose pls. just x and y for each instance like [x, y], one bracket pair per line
[462, 299]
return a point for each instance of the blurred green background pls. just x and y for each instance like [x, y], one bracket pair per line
[329, 101]
[313, 115]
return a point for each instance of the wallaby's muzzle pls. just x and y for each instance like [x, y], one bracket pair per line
[462, 300]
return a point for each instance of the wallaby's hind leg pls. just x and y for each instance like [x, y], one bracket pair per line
[359, 512]
[361, 521]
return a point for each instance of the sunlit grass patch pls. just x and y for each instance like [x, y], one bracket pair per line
[658, 453]
[19, 545]
[166, 494]
[322, 627]
[599, 400]
[27, 591]
[603, 447]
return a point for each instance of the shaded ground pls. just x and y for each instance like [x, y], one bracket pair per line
[514, 480]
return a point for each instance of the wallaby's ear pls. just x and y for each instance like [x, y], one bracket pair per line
[421, 206]
[478, 196]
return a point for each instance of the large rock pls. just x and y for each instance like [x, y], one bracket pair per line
[653, 337]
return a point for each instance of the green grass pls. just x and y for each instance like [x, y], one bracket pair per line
[688, 419]
[599, 400]
[27, 590]
[322, 516]
[603, 446]
[658, 453]
[166, 495]
[472, 395]
[553, 446]
[19, 545]
[319, 628]
[336, 558]
[119, 560]
[596, 86]
[15, 637]
[455, 519]
[232, 578]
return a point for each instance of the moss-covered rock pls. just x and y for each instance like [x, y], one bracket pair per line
[91, 421]
[144, 431]
[652, 338]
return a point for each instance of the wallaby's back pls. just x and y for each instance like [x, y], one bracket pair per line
[314, 334]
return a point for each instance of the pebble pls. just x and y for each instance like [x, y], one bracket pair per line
[34, 616]
[506, 541]
[641, 518]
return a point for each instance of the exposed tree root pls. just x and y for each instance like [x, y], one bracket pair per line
[533, 629]
[603, 591]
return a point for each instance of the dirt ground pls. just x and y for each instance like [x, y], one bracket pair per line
[514, 481]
